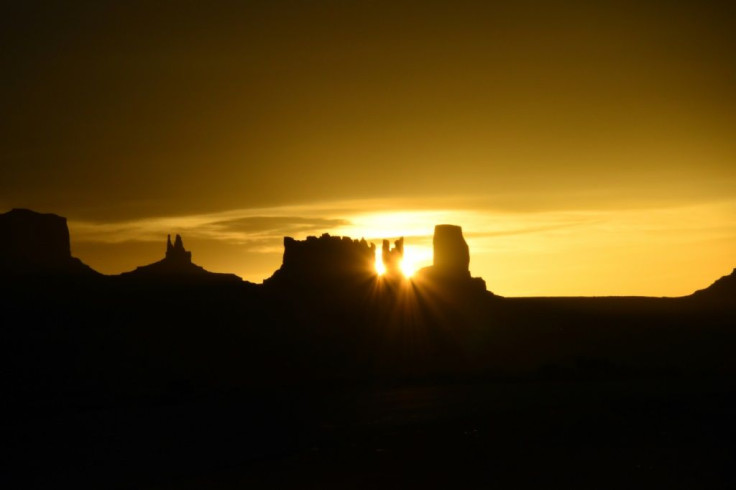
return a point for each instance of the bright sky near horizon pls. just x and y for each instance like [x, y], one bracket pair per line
[585, 148]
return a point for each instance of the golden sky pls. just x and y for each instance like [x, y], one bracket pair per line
[585, 147]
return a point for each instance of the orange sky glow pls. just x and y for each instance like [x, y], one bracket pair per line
[658, 250]
[585, 148]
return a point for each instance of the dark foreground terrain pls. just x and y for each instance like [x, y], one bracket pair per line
[131, 385]
[616, 434]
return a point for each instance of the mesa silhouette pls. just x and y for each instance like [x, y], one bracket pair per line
[37, 244]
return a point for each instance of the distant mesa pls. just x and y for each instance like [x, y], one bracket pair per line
[34, 243]
[324, 258]
[338, 260]
[177, 264]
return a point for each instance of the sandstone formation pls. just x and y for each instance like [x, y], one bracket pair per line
[176, 253]
[178, 265]
[325, 258]
[331, 260]
[33, 243]
[38, 244]
[450, 266]
[392, 257]
[451, 253]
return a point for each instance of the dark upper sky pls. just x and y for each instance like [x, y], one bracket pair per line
[126, 110]
[113, 109]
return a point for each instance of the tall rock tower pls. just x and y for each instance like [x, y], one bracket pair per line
[176, 252]
[450, 272]
[392, 257]
[451, 253]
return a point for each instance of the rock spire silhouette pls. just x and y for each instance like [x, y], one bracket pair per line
[176, 252]
[177, 265]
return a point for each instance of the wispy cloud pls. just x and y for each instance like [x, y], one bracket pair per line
[267, 225]
[377, 219]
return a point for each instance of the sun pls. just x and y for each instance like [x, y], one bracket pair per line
[380, 268]
[416, 256]
[414, 259]
[408, 265]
